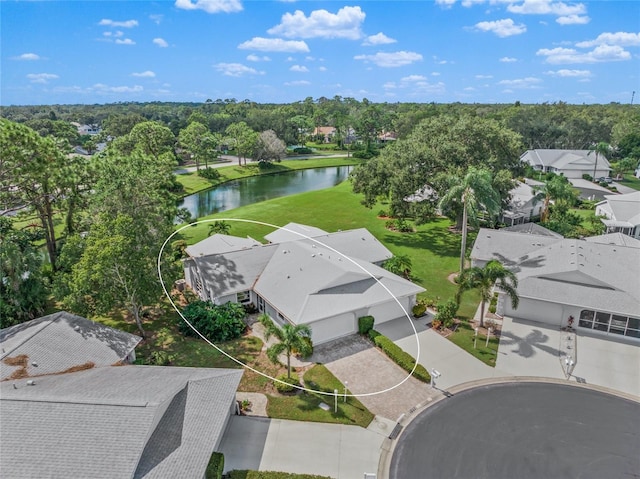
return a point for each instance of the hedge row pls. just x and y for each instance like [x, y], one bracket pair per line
[271, 475]
[399, 356]
[215, 468]
[365, 324]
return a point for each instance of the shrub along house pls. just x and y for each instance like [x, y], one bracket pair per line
[593, 284]
[326, 281]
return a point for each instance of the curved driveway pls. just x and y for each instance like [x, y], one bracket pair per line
[522, 430]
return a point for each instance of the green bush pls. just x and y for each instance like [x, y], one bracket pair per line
[493, 305]
[401, 357]
[215, 468]
[373, 334]
[216, 322]
[303, 150]
[419, 309]
[289, 383]
[309, 346]
[587, 177]
[365, 324]
[209, 173]
[447, 312]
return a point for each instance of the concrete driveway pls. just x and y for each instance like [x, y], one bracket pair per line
[332, 450]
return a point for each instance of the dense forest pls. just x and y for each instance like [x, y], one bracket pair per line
[103, 217]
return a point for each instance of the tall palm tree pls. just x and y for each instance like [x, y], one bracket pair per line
[474, 192]
[289, 338]
[483, 279]
[555, 188]
[399, 264]
[600, 148]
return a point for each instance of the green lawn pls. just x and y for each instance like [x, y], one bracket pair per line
[631, 181]
[305, 406]
[193, 183]
[433, 250]
[463, 338]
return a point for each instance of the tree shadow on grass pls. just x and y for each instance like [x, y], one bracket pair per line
[438, 242]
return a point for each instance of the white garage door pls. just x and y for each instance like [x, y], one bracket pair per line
[389, 310]
[332, 328]
[541, 311]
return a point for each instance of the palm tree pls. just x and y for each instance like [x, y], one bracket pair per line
[555, 188]
[599, 149]
[474, 192]
[399, 264]
[289, 338]
[493, 273]
[219, 227]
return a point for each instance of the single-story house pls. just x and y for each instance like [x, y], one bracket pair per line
[326, 281]
[523, 206]
[326, 132]
[621, 213]
[595, 283]
[100, 417]
[570, 163]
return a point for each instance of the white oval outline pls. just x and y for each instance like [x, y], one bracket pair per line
[301, 388]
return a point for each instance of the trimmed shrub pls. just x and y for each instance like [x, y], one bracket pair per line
[243, 474]
[309, 345]
[493, 305]
[401, 357]
[303, 151]
[215, 467]
[216, 322]
[365, 324]
[373, 334]
[419, 309]
[290, 383]
[209, 174]
[587, 177]
[447, 312]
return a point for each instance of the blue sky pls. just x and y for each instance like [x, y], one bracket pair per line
[486, 51]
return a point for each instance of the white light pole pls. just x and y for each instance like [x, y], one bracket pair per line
[345, 390]
[335, 395]
[486, 344]
[475, 338]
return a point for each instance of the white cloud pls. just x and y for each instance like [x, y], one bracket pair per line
[445, 3]
[389, 60]
[503, 28]
[145, 74]
[435, 74]
[211, 6]
[545, 7]
[297, 83]
[508, 59]
[27, 57]
[156, 18]
[257, 58]
[346, 23]
[523, 83]
[413, 78]
[573, 20]
[602, 53]
[378, 39]
[117, 89]
[483, 77]
[322, 69]
[236, 69]
[299, 69]
[41, 77]
[116, 34]
[624, 39]
[161, 42]
[569, 73]
[274, 45]
[125, 41]
[106, 22]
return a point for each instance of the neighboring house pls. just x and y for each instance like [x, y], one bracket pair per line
[77, 410]
[326, 281]
[63, 341]
[595, 282]
[621, 213]
[326, 132]
[87, 129]
[570, 163]
[387, 136]
[523, 206]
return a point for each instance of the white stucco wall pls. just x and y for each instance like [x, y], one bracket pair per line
[332, 328]
[391, 310]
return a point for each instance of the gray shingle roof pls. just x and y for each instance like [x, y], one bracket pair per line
[565, 159]
[507, 244]
[532, 229]
[623, 208]
[289, 232]
[61, 341]
[219, 243]
[127, 421]
[619, 239]
[307, 282]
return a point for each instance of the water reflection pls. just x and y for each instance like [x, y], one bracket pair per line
[260, 188]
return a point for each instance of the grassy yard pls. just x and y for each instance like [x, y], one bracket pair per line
[463, 338]
[433, 249]
[305, 406]
[631, 181]
[193, 183]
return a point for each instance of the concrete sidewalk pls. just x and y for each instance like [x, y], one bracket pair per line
[334, 450]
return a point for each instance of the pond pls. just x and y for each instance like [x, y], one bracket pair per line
[260, 188]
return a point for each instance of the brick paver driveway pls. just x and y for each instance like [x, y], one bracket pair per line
[366, 369]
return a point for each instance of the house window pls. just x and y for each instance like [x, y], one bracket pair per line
[243, 297]
[261, 304]
[611, 323]
[602, 321]
[586, 319]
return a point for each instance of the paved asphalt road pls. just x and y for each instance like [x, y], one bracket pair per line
[524, 431]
